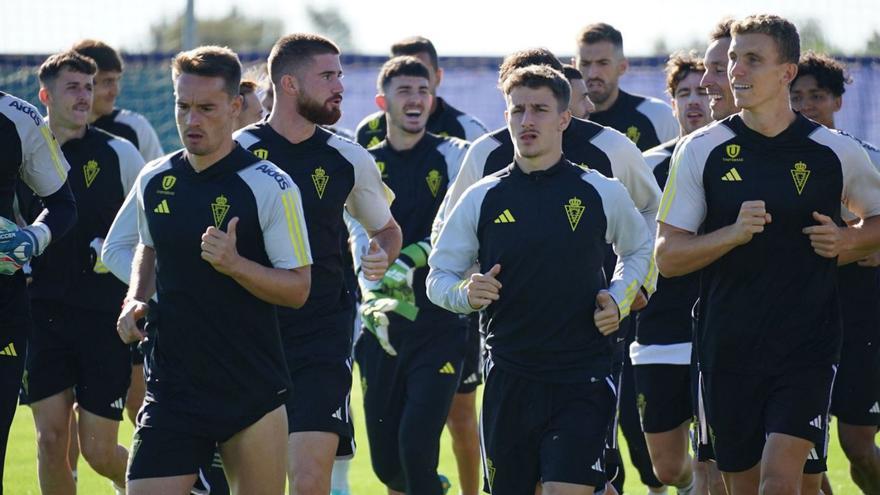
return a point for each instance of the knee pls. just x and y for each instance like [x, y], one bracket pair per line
[308, 483]
[777, 485]
[462, 425]
[859, 451]
[53, 442]
[668, 473]
[99, 455]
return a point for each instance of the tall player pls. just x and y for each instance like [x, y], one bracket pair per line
[74, 355]
[410, 362]
[817, 92]
[542, 222]
[444, 120]
[227, 233]
[336, 175]
[661, 353]
[768, 240]
[646, 121]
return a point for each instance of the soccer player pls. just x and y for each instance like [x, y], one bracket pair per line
[408, 390]
[646, 121]
[542, 222]
[661, 353]
[768, 240]
[337, 175]
[580, 105]
[445, 120]
[715, 79]
[817, 92]
[33, 155]
[73, 355]
[251, 109]
[120, 122]
[224, 241]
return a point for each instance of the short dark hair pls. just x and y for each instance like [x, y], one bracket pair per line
[783, 32]
[415, 45]
[830, 74]
[401, 66]
[571, 73]
[525, 58]
[679, 66]
[540, 76]
[722, 29]
[210, 61]
[70, 60]
[598, 32]
[293, 51]
[103, 54]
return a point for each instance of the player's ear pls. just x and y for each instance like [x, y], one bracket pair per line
[289, 85]
[789, 73]
[382, 102]
[564, 119]
[438, 76]
[622, 66]
[838, 102]
[44, 95]
[506, 117]
[236, 104]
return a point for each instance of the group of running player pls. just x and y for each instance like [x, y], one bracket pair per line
[603, 262]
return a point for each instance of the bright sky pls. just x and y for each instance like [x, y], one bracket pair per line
[457, 27]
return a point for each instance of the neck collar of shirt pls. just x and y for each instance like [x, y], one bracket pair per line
[236, 160]
[799, 128]
[316, 139]
[539, 174]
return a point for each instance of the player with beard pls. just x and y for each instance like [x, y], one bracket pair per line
[817, 92]
[646, 121]
[337, 175]
[580, 106]
[767, 239]
[661, 353]
[445, 120]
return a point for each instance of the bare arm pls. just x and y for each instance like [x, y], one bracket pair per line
[143, 285]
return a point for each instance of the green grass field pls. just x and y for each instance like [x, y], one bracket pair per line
[21, 466]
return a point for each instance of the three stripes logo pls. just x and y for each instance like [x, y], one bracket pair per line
[163, 208]
[816, 422]
[505, 217]
[9, 351]
[732, 176]
[814, 456]
[118, 404]
[337, 414]
[875, 409]
[598, 466]
[447, 369]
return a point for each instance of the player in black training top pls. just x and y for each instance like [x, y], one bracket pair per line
[646, 121]
[411, 355]
[32, 155]
[73, 355]
[223, 240]
[661, 353]
[542, 222]
[444, 119]
[580, 105]
[335, 175]
[715, 79]
[817, 92]
[753, 201]
[120, 122]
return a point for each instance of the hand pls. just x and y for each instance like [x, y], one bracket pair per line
[398, 280]
[482, 289]
[218, 248]
[126, 324]
[870, 261]
[750, 221]
[17, 246]
[640, 301]
[827, 238]
[95, 247]
[607, 314]
[374, 315]
[374, 262]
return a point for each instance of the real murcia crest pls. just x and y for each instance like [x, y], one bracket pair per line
[632, 132]
[800, 174]
[90, 171]
[574, 210]
[320, 180]
[433, 179]
[219, 208]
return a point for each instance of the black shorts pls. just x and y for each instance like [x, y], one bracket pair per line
[856, 396]
[701, 442]
[472, 367]
[743, 409]
[663, 396]
[538, 432]
[320, 373]
[80, 349]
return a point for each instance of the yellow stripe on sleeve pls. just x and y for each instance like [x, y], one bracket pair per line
[294, 229]
[669, 191]
[628, 298]
[53, 149]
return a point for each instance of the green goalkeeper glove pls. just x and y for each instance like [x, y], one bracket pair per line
[374, 315]
[398, 279]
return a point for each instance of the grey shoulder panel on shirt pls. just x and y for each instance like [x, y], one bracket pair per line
[354, 153]
[453, 151]
[661, 117]
[130, 161]
[472, 126]
[245, 138]
[655, 156]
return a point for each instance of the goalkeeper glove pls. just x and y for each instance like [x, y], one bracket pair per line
[398, 279]
[374, 315]
[17, 246]
[98, 265]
